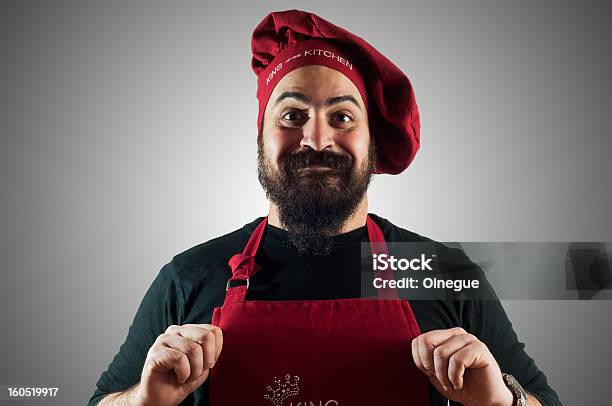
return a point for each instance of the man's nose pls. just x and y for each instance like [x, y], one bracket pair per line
[317, 134]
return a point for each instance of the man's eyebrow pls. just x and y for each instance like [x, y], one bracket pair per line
[305, 99]
[296, 95]
[340, 99]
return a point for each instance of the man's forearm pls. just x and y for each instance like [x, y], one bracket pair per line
[124, 398]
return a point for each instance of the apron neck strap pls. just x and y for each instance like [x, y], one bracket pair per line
[378, 246]
[243, 265]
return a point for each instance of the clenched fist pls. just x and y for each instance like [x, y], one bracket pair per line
[461, 367]
[177, 363]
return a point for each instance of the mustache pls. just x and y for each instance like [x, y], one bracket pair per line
[304, 158]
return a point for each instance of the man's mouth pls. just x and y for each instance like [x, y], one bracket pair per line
[316, 167]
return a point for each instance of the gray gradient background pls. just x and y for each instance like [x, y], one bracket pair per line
[128, 135]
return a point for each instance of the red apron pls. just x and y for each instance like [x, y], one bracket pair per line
[347, 352]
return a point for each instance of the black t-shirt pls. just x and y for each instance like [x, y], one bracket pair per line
[189, 287]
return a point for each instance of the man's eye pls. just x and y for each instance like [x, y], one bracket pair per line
[292, 116]
[343, 118]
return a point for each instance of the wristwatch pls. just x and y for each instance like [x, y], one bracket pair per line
[519, 394]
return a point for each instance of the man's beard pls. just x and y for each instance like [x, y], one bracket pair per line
[314, 205]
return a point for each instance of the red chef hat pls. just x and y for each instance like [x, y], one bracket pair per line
[279, 43]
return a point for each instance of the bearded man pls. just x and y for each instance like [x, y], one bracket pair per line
[274, 313]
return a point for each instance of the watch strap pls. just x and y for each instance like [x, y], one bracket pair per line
[519, 394]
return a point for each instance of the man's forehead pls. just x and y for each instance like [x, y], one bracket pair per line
[316, 79]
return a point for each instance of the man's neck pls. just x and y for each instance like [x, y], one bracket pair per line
[358, 219]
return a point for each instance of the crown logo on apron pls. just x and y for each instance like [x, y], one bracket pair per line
[283, 389]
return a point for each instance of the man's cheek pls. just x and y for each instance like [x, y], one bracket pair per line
[272, 158]
[278, 155]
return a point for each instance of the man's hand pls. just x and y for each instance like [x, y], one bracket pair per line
[461, 367]
[178, 363]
